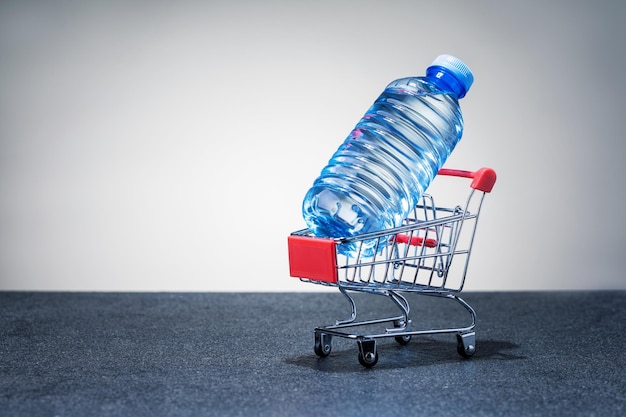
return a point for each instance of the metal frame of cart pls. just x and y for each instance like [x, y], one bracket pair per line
[416, 257]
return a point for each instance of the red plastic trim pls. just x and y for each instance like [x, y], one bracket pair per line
[483, 179]
[416, 241]
[312, 258]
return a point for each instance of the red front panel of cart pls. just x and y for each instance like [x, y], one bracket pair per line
[312, 258]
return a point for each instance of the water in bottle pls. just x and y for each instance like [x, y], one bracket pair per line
[376, 177]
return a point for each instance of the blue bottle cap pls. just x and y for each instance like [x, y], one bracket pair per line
[457, 68]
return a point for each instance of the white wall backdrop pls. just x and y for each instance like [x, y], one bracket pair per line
[166, 146]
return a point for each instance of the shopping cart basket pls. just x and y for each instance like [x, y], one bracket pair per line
[416, 257]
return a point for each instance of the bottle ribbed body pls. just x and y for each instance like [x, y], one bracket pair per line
[376, 177]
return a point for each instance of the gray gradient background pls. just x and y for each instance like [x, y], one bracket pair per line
[167, 145]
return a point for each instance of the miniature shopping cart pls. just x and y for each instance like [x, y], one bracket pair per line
[427, 255]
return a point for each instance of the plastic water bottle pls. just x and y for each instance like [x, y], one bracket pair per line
[376, 177]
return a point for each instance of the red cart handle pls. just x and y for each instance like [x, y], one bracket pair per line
[483, 179]
[415, 240]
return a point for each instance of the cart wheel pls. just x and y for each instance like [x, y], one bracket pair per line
[368, 355]
[403, 340]
[322, 345]
[466, 344]
[369, 359]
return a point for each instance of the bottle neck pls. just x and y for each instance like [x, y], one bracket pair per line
[446, 80]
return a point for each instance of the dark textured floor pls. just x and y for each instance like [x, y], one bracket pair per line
[251, 354]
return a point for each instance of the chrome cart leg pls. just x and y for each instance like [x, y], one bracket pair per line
[402, 303]
[466, 344]
[323, 344]
[352, 308]
[368, 355]
[468, 308]
[403, 324]
[466, 338]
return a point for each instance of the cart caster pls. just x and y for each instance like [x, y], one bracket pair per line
[466, 344]
[368, 356]
[322, 344]
[404, 339]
